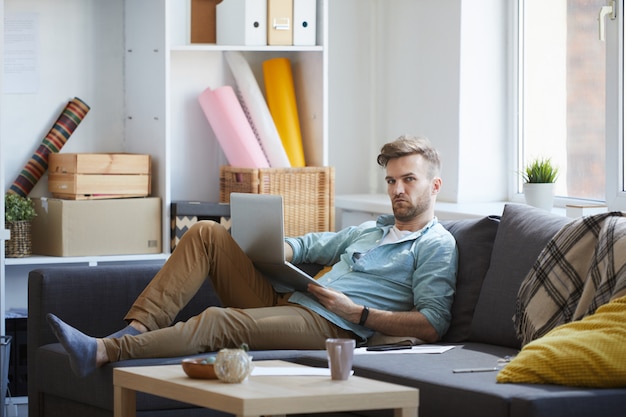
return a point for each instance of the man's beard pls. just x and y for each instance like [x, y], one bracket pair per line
[405, 214]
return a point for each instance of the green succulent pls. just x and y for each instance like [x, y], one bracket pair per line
[18, 208]
[540, 170]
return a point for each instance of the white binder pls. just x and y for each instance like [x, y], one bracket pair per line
[304, 22]
[241, 22]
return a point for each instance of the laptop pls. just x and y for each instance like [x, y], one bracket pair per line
[257, 226]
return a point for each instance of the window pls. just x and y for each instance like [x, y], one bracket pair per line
[565, 76]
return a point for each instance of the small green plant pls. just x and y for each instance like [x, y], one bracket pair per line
[18, 208]
[540, 170]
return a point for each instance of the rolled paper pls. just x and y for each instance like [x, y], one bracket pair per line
[74, 112]
[231, 128]
[255, 107]
[281, 100]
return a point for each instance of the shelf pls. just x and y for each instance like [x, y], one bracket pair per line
[253, 48]
[90, 260]
[375, 204]
[379, 204]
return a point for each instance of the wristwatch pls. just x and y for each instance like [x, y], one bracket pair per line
[364, 314]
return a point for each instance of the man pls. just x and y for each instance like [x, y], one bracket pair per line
[396, 276]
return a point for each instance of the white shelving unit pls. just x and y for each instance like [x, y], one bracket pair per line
[132, 62]
[148, 88]
[164, 75]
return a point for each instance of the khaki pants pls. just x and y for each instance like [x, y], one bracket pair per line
[255, 314]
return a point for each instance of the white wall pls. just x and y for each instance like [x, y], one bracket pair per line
[484, 163]
[422, 79]
[430, 67]
[351, 96]
[68, 66]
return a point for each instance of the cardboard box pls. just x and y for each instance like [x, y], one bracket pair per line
[203, 21]
[97, 227]
[88, 176]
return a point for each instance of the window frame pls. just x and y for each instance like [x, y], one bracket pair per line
[615, 194]
[614, 140]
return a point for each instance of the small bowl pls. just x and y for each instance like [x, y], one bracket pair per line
[199, 368]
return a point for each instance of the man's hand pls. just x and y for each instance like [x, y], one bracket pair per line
[288, 252]
[337, 302]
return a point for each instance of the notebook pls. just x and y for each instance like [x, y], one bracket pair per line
[257, 226]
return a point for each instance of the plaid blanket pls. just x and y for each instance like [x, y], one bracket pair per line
[581, 268]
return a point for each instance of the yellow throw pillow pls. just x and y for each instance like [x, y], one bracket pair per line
[587, 353]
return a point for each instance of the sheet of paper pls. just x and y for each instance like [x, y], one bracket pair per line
[289, 371]
[21, 53]
[432, 349]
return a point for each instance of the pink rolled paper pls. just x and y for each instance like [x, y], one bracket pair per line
[231, 127]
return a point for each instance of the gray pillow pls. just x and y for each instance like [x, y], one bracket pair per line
[523, 232]
[474, 238]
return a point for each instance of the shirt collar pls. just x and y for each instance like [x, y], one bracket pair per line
[386, 222]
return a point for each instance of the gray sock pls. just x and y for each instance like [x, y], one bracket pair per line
[126, 330]
[80, 348]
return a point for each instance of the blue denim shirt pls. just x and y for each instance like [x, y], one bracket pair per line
[417, 272]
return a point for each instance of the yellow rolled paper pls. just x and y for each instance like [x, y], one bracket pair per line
[281, 100]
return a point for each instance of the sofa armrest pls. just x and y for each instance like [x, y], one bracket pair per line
[93, 299]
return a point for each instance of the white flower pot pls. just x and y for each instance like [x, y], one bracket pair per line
[540, 195]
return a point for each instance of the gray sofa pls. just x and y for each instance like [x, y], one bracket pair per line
[496, 252]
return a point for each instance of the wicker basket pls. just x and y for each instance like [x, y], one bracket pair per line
[20, 244]
[308, 193]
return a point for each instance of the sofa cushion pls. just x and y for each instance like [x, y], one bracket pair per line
[441, 392]
[523, 232]
[585, 353]
[474, 239]
[476, 394]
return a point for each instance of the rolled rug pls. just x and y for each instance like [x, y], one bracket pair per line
[281, 100]
[73, 113]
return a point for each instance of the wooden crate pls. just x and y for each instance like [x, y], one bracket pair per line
[308, 193]
[89, 176]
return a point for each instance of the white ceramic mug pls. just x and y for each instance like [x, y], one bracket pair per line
[340, 355]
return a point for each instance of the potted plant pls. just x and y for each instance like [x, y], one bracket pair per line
[18, 213]
[539, 177]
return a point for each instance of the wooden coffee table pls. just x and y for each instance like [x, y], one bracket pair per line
[262, 395]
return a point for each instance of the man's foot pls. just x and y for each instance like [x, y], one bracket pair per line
[82, 349]
[126, 330]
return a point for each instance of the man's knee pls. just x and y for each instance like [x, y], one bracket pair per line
[207, 234]
[208, 228]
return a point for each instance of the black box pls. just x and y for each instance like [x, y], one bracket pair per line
[186, 213]
[18, 370]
